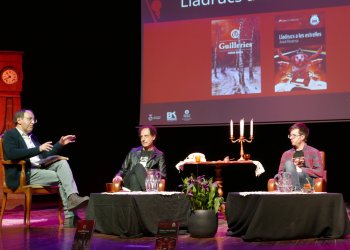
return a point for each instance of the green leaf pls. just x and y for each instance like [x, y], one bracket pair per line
[202, 193]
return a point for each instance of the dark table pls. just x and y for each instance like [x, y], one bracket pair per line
[264, 216]
[136, 214]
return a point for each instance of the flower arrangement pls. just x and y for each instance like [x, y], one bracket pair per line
[202, 192]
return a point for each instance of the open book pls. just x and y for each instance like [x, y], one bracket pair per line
[51, 159]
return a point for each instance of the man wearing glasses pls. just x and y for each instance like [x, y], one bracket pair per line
[20, 144]
[302, 161]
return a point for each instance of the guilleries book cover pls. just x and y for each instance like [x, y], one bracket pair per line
[235, 49]
[83, 235]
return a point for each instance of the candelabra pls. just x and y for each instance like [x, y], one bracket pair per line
[241, 139]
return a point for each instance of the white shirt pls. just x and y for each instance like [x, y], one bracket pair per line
[28, 140]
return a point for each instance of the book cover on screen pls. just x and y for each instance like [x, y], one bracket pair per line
[300, 52]
[83, 234]
[166, 238]
[235, 67]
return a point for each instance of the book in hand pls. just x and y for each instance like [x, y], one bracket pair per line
[83, 235]
[166, 238]
[51, 159]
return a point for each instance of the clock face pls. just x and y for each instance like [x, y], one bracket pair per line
[9, 76]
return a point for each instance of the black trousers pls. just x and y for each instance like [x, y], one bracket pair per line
[135, 179]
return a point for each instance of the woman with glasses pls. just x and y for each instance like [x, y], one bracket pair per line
[302, 161]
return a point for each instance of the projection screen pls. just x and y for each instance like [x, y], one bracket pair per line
[205, 62]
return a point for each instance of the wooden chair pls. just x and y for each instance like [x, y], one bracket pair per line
[319, 183]
[27, 190]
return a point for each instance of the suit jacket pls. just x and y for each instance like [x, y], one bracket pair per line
[16, 149]
[155, 161]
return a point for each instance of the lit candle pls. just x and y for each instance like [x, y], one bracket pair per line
[241, 127]
[251, 128]
[231, 129]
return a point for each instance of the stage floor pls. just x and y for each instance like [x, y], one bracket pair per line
[45, 233]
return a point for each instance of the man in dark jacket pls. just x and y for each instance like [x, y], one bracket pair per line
[134, 169]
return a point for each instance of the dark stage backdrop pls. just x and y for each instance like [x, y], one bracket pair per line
[82, 76]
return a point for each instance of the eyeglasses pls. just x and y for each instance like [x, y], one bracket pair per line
[31, 119]
[291, 136]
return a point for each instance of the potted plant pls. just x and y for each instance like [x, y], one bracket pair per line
[205, 203]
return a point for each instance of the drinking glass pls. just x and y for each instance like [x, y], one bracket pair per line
[152, 180]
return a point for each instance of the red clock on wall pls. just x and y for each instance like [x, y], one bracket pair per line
[9, 75]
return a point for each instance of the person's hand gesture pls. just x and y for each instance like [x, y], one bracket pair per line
[47, 146]
[67, 139]
[299, 162]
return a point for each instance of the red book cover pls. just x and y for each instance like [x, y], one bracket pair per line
[300, 52]
[166, 238]
[83, 234]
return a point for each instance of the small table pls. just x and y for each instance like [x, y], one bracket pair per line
[265, 216]
[136, 214]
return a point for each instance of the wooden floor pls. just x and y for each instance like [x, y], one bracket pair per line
[45, 233]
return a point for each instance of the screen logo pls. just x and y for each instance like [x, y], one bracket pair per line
[171, 116]
[186, 115]
[152, 117]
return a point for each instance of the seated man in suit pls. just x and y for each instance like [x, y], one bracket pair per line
[20, 143]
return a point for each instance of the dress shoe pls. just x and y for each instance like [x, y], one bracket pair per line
[76, 202]
[71, 221]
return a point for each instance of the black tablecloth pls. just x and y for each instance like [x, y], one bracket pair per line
[272, 216]
[136, 215]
